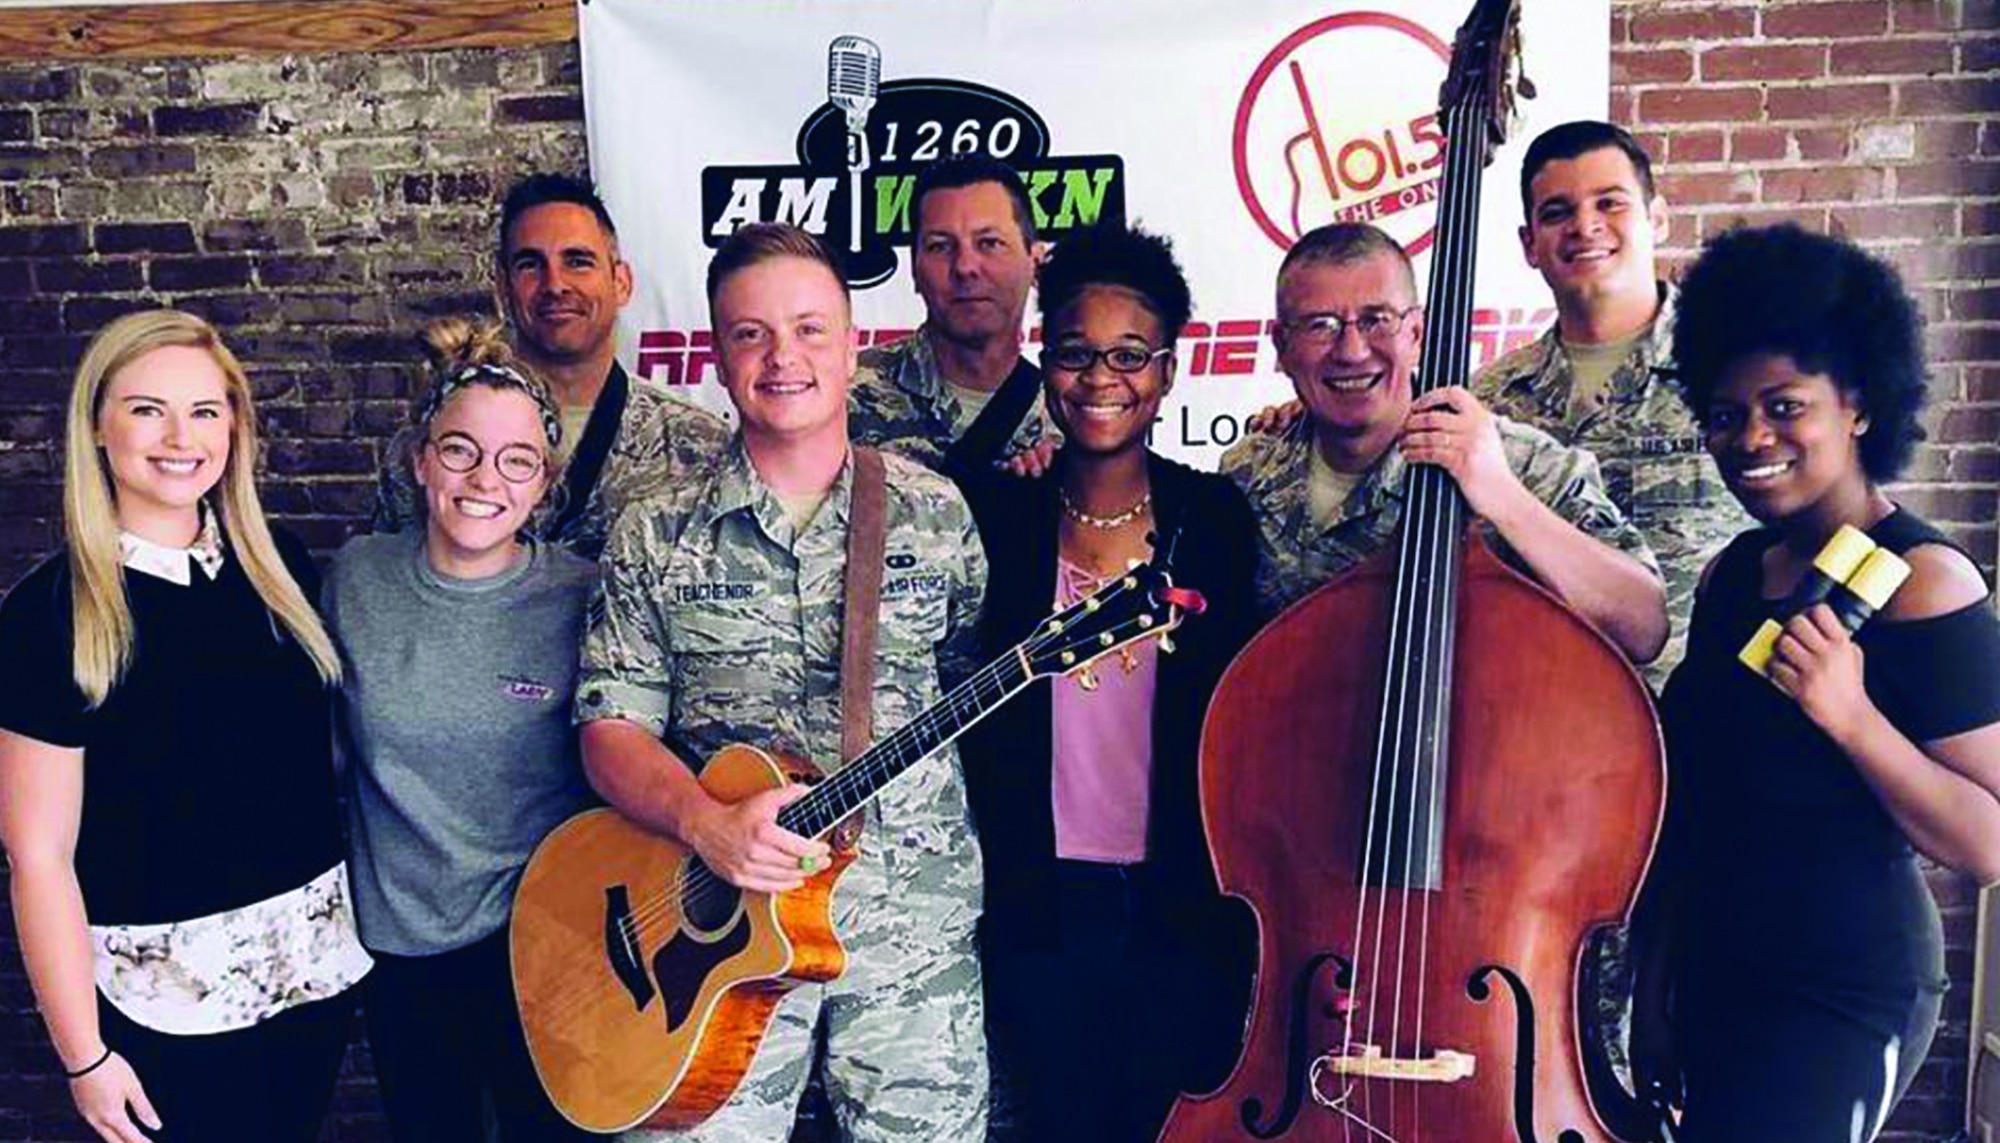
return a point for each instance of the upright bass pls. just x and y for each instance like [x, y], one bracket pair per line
[1434, 783]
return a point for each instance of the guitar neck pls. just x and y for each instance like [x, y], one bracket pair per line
[856, 783]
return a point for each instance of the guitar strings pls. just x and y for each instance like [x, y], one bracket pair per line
[1458, 273]
[1465, 178]
[854, 784]
[1431, 548]
[1410, 560]
[1393, 735]
[698, 885]
[1382, 755]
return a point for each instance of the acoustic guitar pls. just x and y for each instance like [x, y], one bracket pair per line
[645, 981]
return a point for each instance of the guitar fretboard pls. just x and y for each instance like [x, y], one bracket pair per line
[861, 779]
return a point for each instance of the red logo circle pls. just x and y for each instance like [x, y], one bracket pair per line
[1366, 163]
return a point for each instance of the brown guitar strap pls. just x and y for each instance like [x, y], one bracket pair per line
[860, 614]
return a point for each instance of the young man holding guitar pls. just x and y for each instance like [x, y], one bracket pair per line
[722, 623]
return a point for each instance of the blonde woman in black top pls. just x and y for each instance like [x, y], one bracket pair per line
[166, 782]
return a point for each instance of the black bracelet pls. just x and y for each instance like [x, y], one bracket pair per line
[93, 1066]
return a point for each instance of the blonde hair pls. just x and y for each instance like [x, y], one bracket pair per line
[100, 614]
[464, 352]
[755, 243]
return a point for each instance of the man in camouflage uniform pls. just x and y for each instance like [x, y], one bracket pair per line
[1602, 376]
[562, 284]
[1328, 491]
[722, 623]
[973, 259]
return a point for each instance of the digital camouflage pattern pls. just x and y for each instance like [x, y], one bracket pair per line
[899, 402]
[1299, 553]
[1649, 446]
[905, 1034]
[719, 624]
[661, 442]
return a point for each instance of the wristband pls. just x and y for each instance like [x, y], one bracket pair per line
[91, 1067]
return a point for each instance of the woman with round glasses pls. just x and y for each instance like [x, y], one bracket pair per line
[461, 650]
[167, 794]
[1114, 975]
[1792, 959]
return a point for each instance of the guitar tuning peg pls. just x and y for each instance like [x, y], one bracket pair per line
[1166, 644]
[1087, 679]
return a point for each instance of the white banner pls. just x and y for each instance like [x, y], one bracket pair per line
[1231, 126]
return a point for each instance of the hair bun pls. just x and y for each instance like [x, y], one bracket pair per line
[454, 344]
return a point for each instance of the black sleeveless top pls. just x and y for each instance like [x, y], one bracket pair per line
[1781, 855]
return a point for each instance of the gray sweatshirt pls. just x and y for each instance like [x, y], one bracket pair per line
[455, 722]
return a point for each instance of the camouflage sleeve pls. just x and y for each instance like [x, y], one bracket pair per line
[627, 667]
[395, 488]
[1036, 427]
[664, 443]
[1488, 385]
[1485, 380]
[1237, 466]
[881, 416]
[1272, 579]
[1515, 384]
[868, 415]
[1567, 479]
[958, 654]
[695, 436]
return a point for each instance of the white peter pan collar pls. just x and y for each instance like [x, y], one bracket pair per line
[163, 561]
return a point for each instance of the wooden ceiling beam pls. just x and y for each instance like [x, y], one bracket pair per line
[140, 31]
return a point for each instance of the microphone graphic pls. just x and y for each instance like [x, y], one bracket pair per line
[853, 79]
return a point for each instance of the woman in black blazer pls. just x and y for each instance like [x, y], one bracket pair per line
[1115, 973]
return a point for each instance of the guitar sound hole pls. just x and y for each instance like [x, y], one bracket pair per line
[707, 901]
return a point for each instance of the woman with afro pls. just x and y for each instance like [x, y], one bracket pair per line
[1791, 959]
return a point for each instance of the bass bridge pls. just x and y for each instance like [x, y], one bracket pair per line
[1368, 1063]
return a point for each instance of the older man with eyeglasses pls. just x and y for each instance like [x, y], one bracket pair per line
[1328, 491]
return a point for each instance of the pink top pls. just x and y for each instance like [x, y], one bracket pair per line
[1102, 746]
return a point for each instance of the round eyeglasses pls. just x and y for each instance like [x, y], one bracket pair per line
[516, 463]
[1077, 358]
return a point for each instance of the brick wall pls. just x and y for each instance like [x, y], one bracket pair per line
[319, 207]
[316, 207]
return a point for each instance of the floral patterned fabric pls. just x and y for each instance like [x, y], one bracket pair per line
[232, 969]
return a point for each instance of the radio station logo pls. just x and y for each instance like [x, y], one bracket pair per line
[858, 154]
[1339, 123]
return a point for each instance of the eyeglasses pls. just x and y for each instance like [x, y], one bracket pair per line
[516, 463]
[1077, 358]
[1374, 325]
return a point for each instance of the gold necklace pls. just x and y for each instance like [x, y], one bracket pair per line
[1104, 523]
